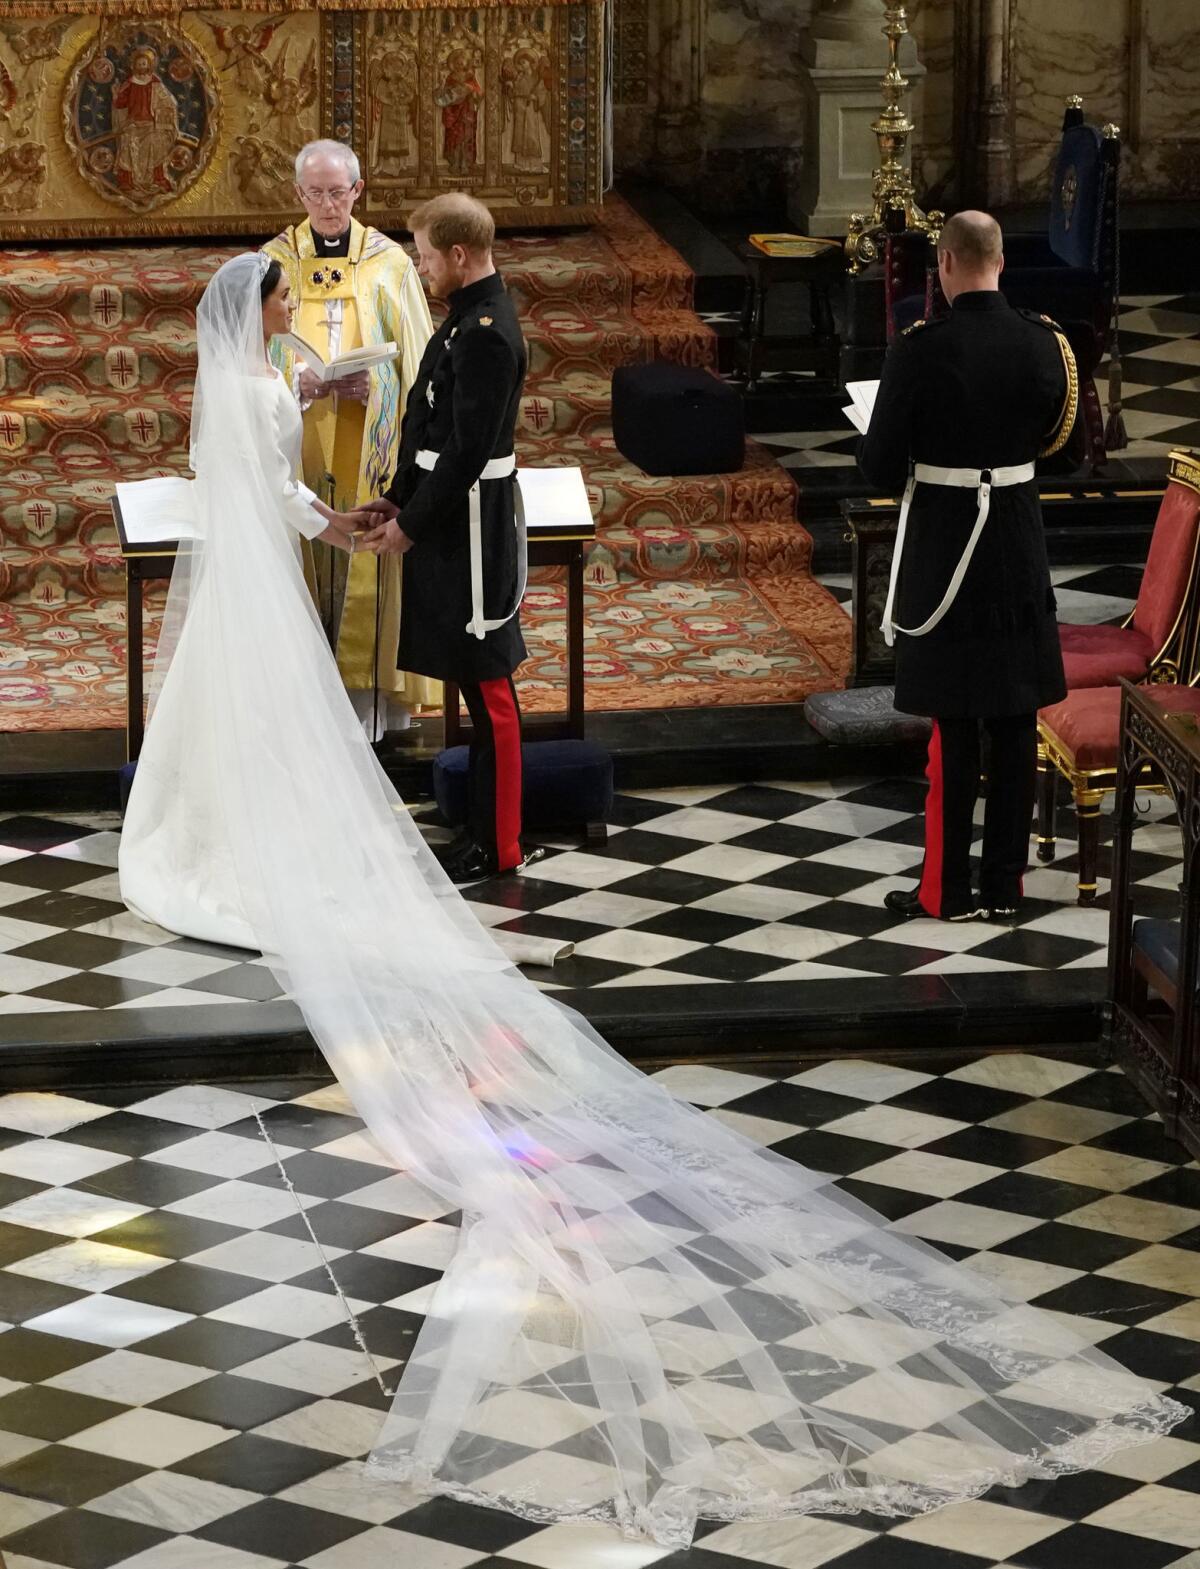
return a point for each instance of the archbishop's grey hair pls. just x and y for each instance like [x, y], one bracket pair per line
[332, 150]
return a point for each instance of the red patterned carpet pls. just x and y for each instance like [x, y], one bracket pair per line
[699, 590]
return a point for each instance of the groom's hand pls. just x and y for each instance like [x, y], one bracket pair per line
[389, 539]
[372, 513]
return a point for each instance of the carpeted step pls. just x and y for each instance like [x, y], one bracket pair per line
[562, 339]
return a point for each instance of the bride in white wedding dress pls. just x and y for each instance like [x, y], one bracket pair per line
[648, 1319]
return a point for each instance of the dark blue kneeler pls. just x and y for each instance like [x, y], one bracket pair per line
[565, 784]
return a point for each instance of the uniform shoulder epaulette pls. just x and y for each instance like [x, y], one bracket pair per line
[916, 327]
[1040, 318]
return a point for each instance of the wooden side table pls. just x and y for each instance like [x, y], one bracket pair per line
[820, 350]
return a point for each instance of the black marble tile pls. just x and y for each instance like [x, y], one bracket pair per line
[883, 958]
[18, 1242]
[1180, 1187]
[127, 1133]
[1144, 1139]
[254, 982]
[188, 1288]
[1072, 1497]
[59, 1475]
[148, 1182]
[1022, 1193]
[1089, 1544]
[892, 1203]
[390, 1332]
[835, 1153]
[658, 883]
[63, 908]
[24, 1297]
[1166, 1359]
[207, 1342]
[958, 1099]
[304, 1127]
[1113, 1301]
[39, 1411]
[269, 1465]
[1077, 1247]
[789, 839]
[725, 964]
[1104, 1092]
[798, 1103]
[13, 1189]
[317, 1175]
[893, 1552]
[841, 915]
[892, 795]
[281, 1529]
[349, 1226]
[90, 990]
[76, 1539]
[34, 834]
[48, 872]
[1044, 950]
[692, 925]
[465, 1525]
[993, 1147]
[79, 950]
[168, 1235]
[817, 877]
[229, 1401]
[764, 801]
[367, 1278]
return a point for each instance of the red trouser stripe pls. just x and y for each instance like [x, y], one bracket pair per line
[930, 890]
[506, 740]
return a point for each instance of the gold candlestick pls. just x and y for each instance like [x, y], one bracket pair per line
[894, 205]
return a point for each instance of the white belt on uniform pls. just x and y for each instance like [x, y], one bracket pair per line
[983, 482]
[495, 468]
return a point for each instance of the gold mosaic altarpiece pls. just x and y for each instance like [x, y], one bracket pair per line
[177, 117]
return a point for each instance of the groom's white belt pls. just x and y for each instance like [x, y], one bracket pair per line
[983, 482]
[495, 468]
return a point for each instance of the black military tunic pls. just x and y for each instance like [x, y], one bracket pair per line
[986, 386]
[463, 405]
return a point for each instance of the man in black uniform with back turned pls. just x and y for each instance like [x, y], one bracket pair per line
[453, 510]
[966, 404]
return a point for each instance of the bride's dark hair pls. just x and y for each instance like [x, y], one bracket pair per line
[270, 281]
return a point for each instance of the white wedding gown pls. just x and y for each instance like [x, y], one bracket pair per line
[648, 1319]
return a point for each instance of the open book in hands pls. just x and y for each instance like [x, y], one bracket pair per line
[862, 403]
[348, 364]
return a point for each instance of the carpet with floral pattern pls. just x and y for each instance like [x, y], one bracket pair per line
[699, 590]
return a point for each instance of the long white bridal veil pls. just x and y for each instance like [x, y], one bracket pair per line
[648, 1318]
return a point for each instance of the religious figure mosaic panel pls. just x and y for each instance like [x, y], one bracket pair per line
[141, 117]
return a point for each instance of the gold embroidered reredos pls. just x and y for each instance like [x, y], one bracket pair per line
[1069, 194]
[140, 111]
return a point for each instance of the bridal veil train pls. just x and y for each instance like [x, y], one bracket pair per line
[648, 1318]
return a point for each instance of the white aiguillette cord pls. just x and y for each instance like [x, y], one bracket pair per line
[355, 1327]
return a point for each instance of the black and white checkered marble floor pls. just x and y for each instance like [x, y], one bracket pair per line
[1160, 348]
[179, 1387]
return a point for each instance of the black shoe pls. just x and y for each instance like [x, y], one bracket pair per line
[446, 854]
[906, 903]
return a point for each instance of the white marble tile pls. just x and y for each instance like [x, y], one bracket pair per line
[1097, 1168]
[338, 1427]
[315, 1369]
[873, 855]
[385, 1545]
[85, 1265]
[1080, 608]
[949, 936]
[941, 1176]
[56, 1161]
[1162, 1268]
[729, 862]
[431, 1244]
[660, 975]
[264, 1256]
[992, 1531]
[1129, 1217]
[127, 927]
[155, 1438]
[202, 1105]
[861, 1078]
[602, 908]
[288, 1310]
[70, 1213]
[809, 1542]
[967, 964]
[172, 1501]
[219, 1154]
[1022, 1073]
[108, 1321]
[681, 795]
[26, 975]
[1022, 1279]
[579, 870]
[245, 1204]
[757, 902]
[16, 1513]
[1047, 1119]
[1159, 1514]
[582, 1547]
[106, 886]
[359, 1146]
[781, 941]
[846, 817]
[707, 1086]
[18, 1004]
[1179, 351]
[96, 849]
[700, 822]
[166, 966]
[15, 1446]
[398, 1195]
[635, 947]
[38, 1114]
[130, 1377]
[965, 1225]
[1152, 318]
[895, 1125]
[352, 1490]
[177, 997]
[15, 933]
[330, 1097]
[1151, 1462]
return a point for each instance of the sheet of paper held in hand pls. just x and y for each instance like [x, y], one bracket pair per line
[862, 403]
[158, 511]
[348, 364]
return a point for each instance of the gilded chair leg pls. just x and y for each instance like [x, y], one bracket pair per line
[1087, 813]
[1047, 805]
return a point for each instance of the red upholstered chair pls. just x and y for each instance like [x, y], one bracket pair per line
[1150, 644]
[1080, 739]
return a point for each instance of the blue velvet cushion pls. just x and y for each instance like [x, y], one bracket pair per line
[1159, 941]
[1075, 203]
[565, 783]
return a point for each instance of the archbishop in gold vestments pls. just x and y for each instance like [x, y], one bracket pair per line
[371, 295]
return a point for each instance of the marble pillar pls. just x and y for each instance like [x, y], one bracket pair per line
[843, 54]
[678, 132]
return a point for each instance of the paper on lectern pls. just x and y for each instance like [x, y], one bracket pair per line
[158, 511]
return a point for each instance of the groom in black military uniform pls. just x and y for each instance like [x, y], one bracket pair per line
[965, 406]
[453, 510]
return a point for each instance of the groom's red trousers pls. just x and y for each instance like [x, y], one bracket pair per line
[494, 771]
